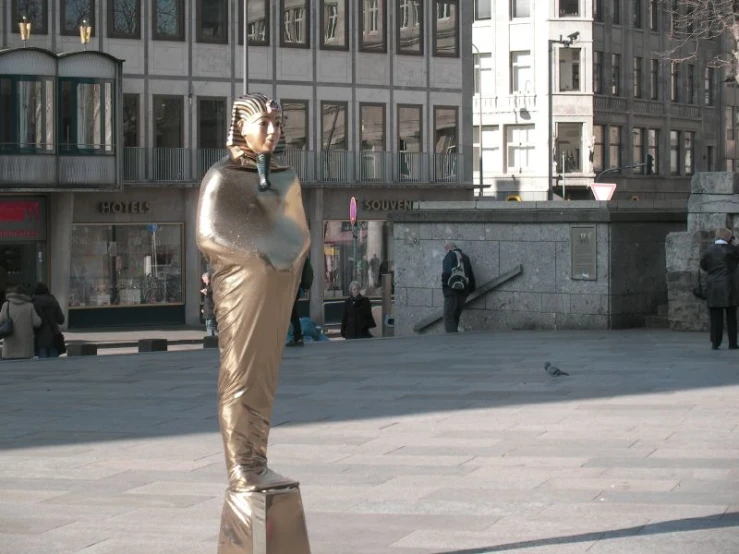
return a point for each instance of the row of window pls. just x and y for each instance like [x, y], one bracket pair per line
[575, 8]
[335, 132]
[168, 22]
[84, 122]
[605, 152]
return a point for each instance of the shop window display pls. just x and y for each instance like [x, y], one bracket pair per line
[374, 257]
[126, 265]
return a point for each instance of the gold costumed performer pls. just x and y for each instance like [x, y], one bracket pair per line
[251, 227]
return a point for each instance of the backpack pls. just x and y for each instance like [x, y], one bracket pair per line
[306, 279]
[458, 279]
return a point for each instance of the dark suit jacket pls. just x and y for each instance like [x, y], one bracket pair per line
[450, 262]
[719, 261]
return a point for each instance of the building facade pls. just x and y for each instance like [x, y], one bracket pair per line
[377, 106]
[566, 89]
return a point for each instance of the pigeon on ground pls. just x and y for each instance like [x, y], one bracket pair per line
[553, 370]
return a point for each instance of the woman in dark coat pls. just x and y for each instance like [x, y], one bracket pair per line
[52, 317]
[357, 319]
[719, 261]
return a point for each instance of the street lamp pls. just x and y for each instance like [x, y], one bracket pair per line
[479, 109]
[85, 32]
[25, 29]
[566, 42]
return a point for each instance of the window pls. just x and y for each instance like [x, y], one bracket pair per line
[710, 158]
[520, 148]
[637, 14]
[490, 149]
[211, 122]
[372, 127]
[729, 123]
[674, 152]
[615, 74]
[598, 10]
[569, 8]
[86, 115]
[688, 152]
[410, 141]
[168, 121]
[410, 27]
[258, 24]
[373, 27]
[521, 77]
[483, 67]
[521, 8]
[335, 24]
[691, 84]
[598, 72]
[708, 80]
[569, 147]
[125, 265]
[212, 21]
[169, 20]
[130, 120]
[637, 156]
[295, 124]
[654, 79]
[654, 15]
[614, 146]
[731, 165]
[616, 12]
[26, 114]
[295, 24]
[72, 14]
[124, 19]
[569, 69]
[653, 151]
[637, 77]
[445, 129]
[483, 9]
[446, 28]
[599, 132]
[675, 82]
[37, 12]
[334, 124]
[674, 14]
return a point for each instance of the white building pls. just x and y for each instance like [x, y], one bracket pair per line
[377, 102]
[615, 101]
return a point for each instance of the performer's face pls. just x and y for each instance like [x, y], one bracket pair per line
[263, 132]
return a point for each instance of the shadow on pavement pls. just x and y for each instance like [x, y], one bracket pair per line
[673, 526]
[90, 399]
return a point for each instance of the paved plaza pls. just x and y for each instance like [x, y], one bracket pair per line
[429, 445]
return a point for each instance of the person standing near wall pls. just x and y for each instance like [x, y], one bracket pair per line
[457, 282]
[720, 262]
[211, 328]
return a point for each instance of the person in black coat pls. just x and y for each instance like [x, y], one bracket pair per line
[719, 261]
[454, 300]
[48, 309]
[357, 319]
[211, 327]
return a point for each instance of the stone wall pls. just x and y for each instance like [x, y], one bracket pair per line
[713, 203]
[629, 283]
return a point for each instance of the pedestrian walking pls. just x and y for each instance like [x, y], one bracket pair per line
[457, 282]
[49, 338]
[211, 327]
[306, 282]
[720, 261]
[357, 319]
[19, 310]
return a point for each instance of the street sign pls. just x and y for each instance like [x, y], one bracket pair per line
[353, 211]
[603, 191]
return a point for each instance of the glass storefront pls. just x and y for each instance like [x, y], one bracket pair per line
[362, 256]
[126, 265]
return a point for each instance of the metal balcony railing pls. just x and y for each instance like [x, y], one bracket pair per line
[141, 165]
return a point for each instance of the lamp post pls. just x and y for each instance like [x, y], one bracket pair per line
[25, 29]
[85, 33]
[479, 110]
[566, 42]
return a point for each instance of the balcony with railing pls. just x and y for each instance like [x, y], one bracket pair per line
[185, 165]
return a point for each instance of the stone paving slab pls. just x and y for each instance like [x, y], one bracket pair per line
[428, 445]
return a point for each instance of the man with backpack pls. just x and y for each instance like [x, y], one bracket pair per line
[306, 281]
[457, 282]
